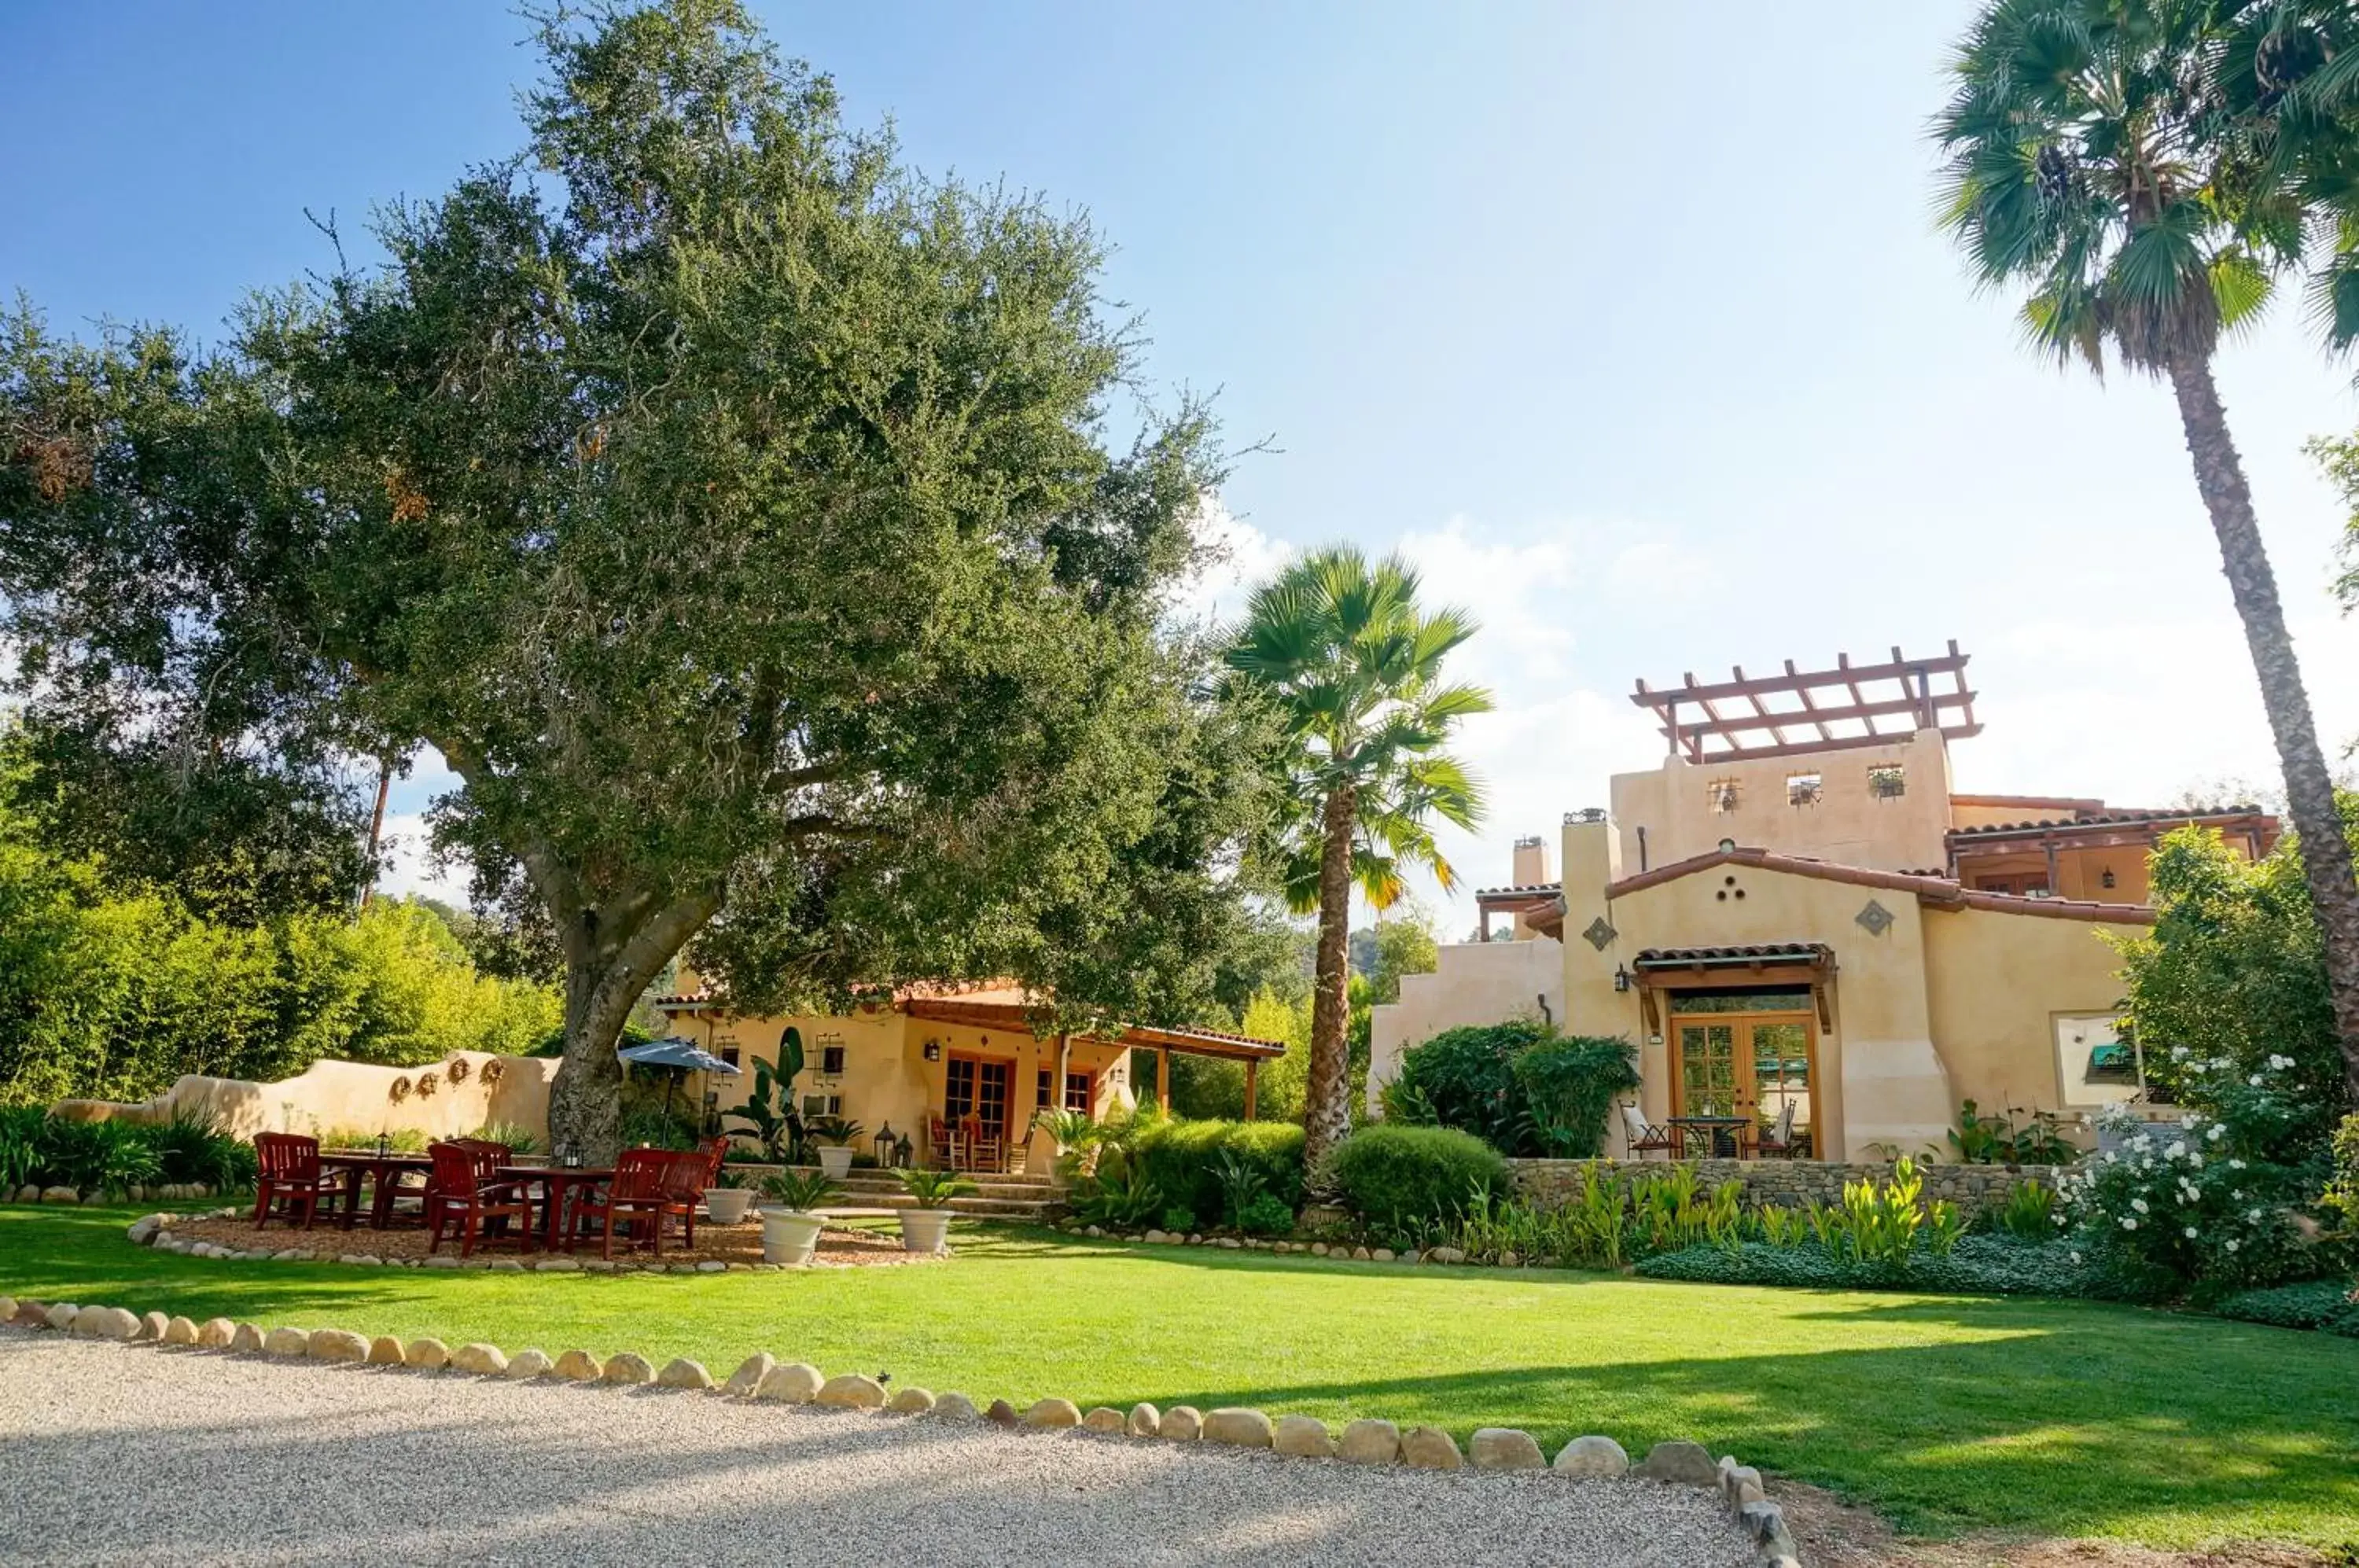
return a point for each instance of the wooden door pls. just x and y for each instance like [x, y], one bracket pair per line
[1744, 1064]
[995, 1087]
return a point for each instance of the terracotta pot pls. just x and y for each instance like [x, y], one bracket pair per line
[925, 1230]
[727, 1205]
[788, 1235]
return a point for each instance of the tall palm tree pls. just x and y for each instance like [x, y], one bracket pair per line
[2148, 170]
[1353, 665]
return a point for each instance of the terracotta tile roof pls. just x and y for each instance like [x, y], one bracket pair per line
[1935, 892]
[1770, 950]
[1522, 891]
[2108, 819]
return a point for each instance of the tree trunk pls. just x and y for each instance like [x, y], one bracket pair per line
[2309, 788]
[605, 973]
[1326, 1110]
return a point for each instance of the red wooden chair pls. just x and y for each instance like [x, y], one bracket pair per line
[468, 1193]
[716, 1150]
[289, 1171]
[986, 1149]
[943, 1144]
[630, 1198]
[685, 1178]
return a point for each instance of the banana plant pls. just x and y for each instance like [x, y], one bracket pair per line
[770, 1108]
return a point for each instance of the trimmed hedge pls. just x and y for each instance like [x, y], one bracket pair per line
[1178, 1157]
[2323, 1304]
[1979, 1265]
[1400, 1178]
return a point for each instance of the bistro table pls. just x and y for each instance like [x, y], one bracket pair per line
[557, 1183]
[1721, 1137]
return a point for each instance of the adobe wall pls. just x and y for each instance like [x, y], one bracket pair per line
[441, 1099]
[1674, 806]
[1473, 982]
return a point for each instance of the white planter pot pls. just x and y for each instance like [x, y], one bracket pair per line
[727, 1205]
[925, 1230]
[788, 1235]
[835, 1161]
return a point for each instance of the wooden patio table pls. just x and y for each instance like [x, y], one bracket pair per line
[1709, 1131]
[557, 1183]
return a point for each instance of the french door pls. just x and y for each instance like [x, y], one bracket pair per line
[979, 1086]
[1744, 1064]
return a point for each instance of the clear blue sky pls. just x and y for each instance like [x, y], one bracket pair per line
[1628, 322]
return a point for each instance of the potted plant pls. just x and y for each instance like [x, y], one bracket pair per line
[789, 1229]
[727, 1199]
[836, 1136]
[927, 1226]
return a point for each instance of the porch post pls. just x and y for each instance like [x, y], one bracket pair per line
[1163, 1079]
[1252, 1076]
[1064, 1064]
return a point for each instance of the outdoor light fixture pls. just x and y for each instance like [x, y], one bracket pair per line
[2107, 877]
[1728, 846]
[884, 1145]
[1620, 977]
[933, 1051]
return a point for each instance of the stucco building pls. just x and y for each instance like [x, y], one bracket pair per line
[1798, 907]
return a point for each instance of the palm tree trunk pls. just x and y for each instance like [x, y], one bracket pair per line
[1326, 1110]
[2309, 788]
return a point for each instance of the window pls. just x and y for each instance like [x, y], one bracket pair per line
[1802, 788]
[1887, 780]
[1079, 1092]
[823, 1105]
[1041, 1090]
[1722, 794]
[729, 1055]
[830, 1061]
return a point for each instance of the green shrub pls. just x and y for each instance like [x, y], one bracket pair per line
[1569, 1083]
[1180, 1219]
[2029, 1212]
[193, 1147]
[1182, 1160]
[1977, 1265]
[1401, 1180]
[2329, 1304]
[1266, 1214]
[1465, 1078]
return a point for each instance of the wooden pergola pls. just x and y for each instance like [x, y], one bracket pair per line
[1849, 705]
[1017, 1016]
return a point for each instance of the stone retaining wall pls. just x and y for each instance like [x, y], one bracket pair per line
[1790, 1182]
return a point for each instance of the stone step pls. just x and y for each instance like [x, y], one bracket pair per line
[997, 1208]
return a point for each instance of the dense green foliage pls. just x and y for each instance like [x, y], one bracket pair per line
[109, 993]
[1569, 1085]
[1945, 1414]
[41, 1150]
[2228, 1003]
[1183, 1160]
[1519, 1085]
[1980, 1265]
[734, 509]
[1340, 650]
[2332, 1305]
[1401, 1180]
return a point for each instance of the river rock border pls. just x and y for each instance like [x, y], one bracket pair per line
[762, 1377]
[155, 1231]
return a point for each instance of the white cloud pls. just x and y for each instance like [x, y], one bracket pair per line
[410, 866]
[1247, 557]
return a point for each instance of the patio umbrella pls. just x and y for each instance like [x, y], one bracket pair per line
[677, 1051]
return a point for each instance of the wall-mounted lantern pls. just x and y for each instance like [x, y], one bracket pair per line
[2106, 878]
[933, 1051]
[1620, 977]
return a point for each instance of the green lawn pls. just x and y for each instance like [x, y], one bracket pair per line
[1947, 1414]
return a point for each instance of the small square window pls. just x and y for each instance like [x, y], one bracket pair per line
[830, 1061]
[1803, 788]
[1721, 793]
[1887, 781]
[729, 1055]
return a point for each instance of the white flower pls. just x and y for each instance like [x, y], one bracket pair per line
[2138, 1203]
[2254, 1080]
[2178, 1053]
[2235, 1165]
[2196, 1160]
[2280, 1063]
[2233, 1244]
[2254, 1215]
[2238, 1194]
[2128, 1224]
[2076, 1257]
[2178, 1150]
[2111, 1157]
[2217, 1132]
[2191, 1233]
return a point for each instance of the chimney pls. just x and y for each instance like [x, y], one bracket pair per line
[1532, 862]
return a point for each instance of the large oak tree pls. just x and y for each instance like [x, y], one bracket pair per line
[731, 508]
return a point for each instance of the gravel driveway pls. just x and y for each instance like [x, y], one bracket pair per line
[113, 1453]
